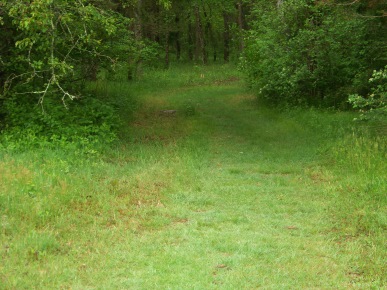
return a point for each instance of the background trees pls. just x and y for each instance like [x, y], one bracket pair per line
[314, 52]
[195, 30]
[49, 44]
[294, 51]
[49, 49]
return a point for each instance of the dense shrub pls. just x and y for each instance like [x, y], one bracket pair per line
[82, 124]
[49, 50]
[374, 105]
[309, 52]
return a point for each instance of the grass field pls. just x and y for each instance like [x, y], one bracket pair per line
[224, 193]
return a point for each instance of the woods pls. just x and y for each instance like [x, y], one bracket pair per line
[180, 144]
[315, 53]
[297, 52]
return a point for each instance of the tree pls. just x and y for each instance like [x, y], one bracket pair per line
[312, 52]
[51, 44]
[195, 29]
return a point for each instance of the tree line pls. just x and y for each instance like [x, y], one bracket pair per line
[316, 52]
[50, 42]
[298, 52]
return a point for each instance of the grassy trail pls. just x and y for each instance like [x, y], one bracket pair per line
[222, 194]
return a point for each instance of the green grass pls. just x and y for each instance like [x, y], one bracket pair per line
[223, 194]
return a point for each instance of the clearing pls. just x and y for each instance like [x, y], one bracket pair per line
[220, 193]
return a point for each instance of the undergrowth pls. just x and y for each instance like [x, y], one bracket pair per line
[80, 125]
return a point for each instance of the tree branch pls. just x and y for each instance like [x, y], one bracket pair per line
[348, 4]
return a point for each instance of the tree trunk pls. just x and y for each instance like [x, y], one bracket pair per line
[200, 51]
[91, 70]
[240, 26]
[167, 38]
[135, 63]
[178, 47]
[190, 41]
[226, 36]
[209, 33]
[177, 40]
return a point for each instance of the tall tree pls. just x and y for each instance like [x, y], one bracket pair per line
[200, 52]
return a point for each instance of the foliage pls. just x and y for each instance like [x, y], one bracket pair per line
[49, 50]
[373, 106]
[54, 43]
[309, 52]
[83, 126]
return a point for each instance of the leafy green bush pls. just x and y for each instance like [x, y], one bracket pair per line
[309, 52]
[82, 124]
[374, 105]
[49, 50]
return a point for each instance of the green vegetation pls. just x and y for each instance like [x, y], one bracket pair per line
[294, 52]
[224, 193]
[164, 144]
[373, 106]
[303, 52]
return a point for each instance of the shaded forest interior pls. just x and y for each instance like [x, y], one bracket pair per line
[295, 52]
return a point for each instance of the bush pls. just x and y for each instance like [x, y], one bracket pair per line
[82, 124]
[308, 52]
[374, 105]
[49, 50]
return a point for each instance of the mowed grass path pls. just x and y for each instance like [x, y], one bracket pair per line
[223, 194]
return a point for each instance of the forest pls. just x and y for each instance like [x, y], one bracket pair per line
[193, 144]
